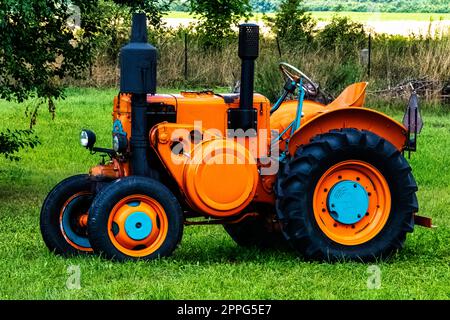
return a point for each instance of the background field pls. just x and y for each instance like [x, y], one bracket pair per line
[208, 265]
[379, 22]
[357, 16]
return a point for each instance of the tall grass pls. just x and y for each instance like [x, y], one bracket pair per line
[395, 61]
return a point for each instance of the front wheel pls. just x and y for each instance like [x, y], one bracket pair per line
[135, 218]
[64, 215]
[349, 194]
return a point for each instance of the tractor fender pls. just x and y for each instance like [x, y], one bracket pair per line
[350, 117]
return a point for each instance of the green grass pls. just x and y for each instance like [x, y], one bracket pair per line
[208, 265]
[357, 16]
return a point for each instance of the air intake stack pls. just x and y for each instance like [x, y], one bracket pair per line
[138, 60]
[248, 52]
[245, 117]
[138, 78]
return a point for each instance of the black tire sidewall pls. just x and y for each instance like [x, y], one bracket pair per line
[116, 191]
[51, 211]
[391, 165]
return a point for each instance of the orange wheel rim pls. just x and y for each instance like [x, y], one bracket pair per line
[138, 225]
[361, 175]
[76, 220]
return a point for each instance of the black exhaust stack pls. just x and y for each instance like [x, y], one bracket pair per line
[138, 77]
[246, 117]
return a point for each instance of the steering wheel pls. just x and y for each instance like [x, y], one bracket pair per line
[292, 73]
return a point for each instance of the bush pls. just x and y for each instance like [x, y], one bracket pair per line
[342, 34]
[292, 24]
[341, 75]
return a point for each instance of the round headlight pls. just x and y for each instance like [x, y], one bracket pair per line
[87, 138]
[116, 144]
[120, 143]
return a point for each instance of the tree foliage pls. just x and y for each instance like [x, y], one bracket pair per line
[263, 6]
[217, 17]
[153, 8]
[435, 6]
[43, 41]
[291, 22]
[11, 141]
[38, 46]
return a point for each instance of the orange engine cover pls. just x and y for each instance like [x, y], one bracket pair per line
[220, 178]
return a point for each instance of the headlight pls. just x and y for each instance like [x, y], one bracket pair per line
[120, 143]
[87, 139]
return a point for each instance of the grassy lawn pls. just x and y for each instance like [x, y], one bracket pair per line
[357, 16]
[208, 265]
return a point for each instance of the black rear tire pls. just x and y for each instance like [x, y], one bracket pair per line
[111, 195]
[62, 235]
[298, 179]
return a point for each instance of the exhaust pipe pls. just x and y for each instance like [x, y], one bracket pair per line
[248, 52]
[246, 117]
[138, 78]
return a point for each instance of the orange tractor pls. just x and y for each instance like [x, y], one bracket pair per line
[326, 177]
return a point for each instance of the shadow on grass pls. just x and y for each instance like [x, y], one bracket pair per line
[225, 253]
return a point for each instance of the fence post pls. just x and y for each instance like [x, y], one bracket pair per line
[278, 46]
[185, 56]
[369, 63]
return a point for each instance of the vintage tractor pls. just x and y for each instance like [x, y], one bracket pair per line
[326, 177]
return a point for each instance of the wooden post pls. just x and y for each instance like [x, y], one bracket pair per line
[185, 56]
[278, 46]
[369, 63]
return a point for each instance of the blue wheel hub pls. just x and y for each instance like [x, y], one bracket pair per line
[138, 226]
[79, 204]
[348, 202]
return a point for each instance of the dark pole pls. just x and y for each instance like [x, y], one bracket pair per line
[139, 131]
[278, 46]
[185, 56]
[369, 63]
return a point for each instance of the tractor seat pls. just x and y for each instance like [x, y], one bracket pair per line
[353, 96]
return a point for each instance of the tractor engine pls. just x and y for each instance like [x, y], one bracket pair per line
[210, 144]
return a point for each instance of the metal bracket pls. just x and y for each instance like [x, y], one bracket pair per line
[237, 120]
[423, 221]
